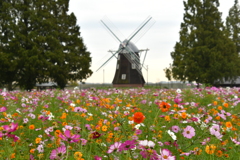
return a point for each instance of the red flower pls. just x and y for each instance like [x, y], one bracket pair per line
[138, 117]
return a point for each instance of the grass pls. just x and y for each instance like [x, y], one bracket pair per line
[120, 124]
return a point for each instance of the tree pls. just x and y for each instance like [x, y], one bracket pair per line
[233, 25]
[204, 53]
[46, 44]
[8, 61]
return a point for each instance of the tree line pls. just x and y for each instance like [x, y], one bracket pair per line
[40, 41]
[208, 50]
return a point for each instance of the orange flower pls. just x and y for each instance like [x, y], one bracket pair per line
[215, 103]
[32, 150]
[219, 107]
[104, 128]
[38, 140]
[31, 126]
[13, 155]
[167, 118]
[138, 117]
[164, 106]
[225, 105]
[57, 132]
[184, 115]
[228, 124]
[219, 153]
[210, 149]
[64, 115]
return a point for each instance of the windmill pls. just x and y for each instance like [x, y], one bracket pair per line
[129, 68]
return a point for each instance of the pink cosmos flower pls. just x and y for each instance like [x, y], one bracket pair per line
[189, 132]
[3, 109]
[127, 145]
[215, 130]
[58, 153]
[166, 155]
[114, 147]
[175, 129]
[69, 138]
[10, 128]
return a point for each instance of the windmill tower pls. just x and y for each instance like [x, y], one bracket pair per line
[129, 67]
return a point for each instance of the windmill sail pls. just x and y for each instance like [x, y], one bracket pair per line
[129, 68]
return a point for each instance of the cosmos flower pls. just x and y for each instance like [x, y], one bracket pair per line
[164, 106]
[3, 109]
[58, 153]
[10, 128]
[174, 137]
[147, 144]
[138, 117]
[68, 137]
[210, 149]
[165, 154]
[175, 129]
[127, 145]
[114, 147]
[189, 132]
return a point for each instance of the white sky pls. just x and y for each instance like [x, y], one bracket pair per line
[127, 15]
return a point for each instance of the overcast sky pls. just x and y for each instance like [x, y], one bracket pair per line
[127, 15]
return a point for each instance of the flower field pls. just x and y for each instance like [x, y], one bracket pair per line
[155, 124]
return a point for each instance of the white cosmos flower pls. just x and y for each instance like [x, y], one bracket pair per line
[174, 137]
[147, 143]
[179, 90]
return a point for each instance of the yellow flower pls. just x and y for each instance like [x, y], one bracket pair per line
[78, 155]
[210, 149]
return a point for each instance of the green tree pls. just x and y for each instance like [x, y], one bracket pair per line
[46, 44]
[233, 25]
[8, 61]
[204, 53]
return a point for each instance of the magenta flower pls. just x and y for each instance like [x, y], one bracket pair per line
[3, 109]
[149, 153]
[58, 153]
[97, 158]
[166, 155]
[114, 147]
[10, 128]
[189, 132]
[69, 138]
[127, 145]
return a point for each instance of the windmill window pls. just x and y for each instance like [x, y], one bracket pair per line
[117, 66]
[123, 76]
[133, 66]
[118, 57]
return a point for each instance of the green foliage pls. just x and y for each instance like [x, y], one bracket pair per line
[204, 52]
[232, 25]
[41, 42]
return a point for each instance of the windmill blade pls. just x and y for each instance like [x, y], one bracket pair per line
[144, 58]
[109, 59]
[113, 31]
[135, 60]
[142, 29]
